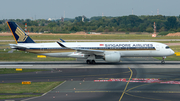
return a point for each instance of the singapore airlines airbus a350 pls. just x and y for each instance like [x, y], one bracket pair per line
[109, 51]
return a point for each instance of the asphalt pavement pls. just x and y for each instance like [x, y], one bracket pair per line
[133, 80]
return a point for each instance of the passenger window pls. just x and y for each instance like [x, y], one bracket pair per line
[167, 47]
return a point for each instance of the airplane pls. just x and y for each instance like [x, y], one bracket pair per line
[109, 51]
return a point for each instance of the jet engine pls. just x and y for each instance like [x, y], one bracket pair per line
[112, 57]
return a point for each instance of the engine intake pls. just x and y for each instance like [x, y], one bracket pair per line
[112, 57]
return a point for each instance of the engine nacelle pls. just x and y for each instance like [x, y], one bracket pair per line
[112, 57]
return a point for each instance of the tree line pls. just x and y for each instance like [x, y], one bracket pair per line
[131, 23]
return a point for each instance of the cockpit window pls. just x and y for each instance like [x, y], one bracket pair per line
[167, 47]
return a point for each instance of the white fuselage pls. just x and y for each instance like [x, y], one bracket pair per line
[126, 49]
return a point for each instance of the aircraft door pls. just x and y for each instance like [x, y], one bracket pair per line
[42, 48]
[157, 47]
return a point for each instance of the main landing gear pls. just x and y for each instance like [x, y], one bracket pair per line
[90, 62]
[91, 59]
[163, 62]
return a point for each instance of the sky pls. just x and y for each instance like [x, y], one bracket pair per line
[44, 9]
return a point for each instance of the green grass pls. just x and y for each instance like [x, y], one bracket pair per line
[13, 70]
[175, 48]
[167, 41]
[16, 96]
[34, 87]
[172, 57]
[94, 37]
[22, 56]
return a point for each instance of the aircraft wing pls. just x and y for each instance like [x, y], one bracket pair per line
[85, 51]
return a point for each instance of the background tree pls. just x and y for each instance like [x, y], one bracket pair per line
[149, 29]
[131, 23]
[171, 23]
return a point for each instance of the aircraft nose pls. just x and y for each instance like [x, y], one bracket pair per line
[172, 52]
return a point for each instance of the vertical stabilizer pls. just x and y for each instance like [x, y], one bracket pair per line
[19, 35]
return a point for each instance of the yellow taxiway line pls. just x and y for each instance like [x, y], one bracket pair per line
[126, 84]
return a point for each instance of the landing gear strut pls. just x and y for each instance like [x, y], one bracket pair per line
[163, 62]
[90, 61]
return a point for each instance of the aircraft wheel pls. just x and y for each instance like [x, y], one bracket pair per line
[93, 62]
[88, 61]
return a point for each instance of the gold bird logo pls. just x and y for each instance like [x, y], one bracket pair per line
[21, 34]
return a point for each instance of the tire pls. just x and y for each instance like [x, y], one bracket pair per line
[93, 62]
[88, 61]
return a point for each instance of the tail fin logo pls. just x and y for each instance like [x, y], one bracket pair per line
[21, 34]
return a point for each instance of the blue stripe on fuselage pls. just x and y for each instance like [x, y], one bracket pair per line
[101, 48]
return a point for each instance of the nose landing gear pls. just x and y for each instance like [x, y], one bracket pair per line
[163, 62]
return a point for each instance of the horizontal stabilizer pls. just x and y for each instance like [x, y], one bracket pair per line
[62, 40]
[14, 46]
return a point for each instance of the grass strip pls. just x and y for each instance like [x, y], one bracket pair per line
[13, 70]
[169, 58]
[34, 87]
[22, 56]
[172, 57]
[94, 37]
[16, 96]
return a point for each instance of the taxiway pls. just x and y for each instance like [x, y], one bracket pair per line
[79, 84]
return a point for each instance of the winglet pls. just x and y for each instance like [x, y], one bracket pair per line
[62, 40]
[60, 44]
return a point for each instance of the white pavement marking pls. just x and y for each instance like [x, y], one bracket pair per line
[31, 98]
[15, 65]
[43, 94]
[53, 88]
[97, 66]
[123, 64]
[9, 100]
